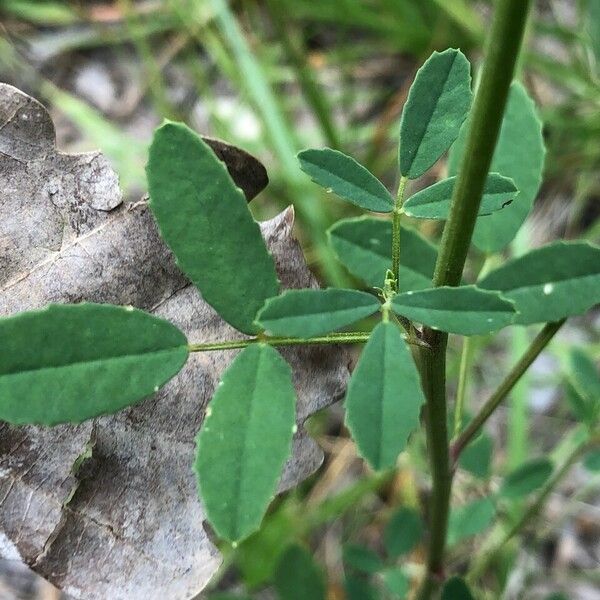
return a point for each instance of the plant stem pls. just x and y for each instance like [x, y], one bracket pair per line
[535, 348]
[396, 230]
[350, 337]
[501, 54]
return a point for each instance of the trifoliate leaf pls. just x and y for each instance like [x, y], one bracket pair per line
[403, 532]
[297, 576]
[470, 519]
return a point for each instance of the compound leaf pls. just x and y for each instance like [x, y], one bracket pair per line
[341, 174]
[465, 310]
[434, 202]
[205, 220]
[308, 312]
[364, 246]
[519, 155]
[437, 104]
[384, 397]
[245, 440]
[550, 283]
[297, 577]
[68, 363]
[526, 478]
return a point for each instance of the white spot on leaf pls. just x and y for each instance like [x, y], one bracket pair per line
[548, 289]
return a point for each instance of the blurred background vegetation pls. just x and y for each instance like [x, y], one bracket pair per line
[276, 76]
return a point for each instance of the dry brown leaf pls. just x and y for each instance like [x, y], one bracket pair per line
[109, 509]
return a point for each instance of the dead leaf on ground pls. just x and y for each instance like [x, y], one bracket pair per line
[109, 509]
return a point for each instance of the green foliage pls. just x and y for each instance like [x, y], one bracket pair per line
[476, 458]
[456, 589]
[244, 443]
[465, 310]
[363, 245]
[583, 376]
[403, 532]
[434, 201]
[519, 155]
[470, 519]
[361, 559]
[306, 313]
[384, 397]
[591, 461]
[69, 363]
[343, 176]
[526, 478]
[358, 588]
[396, 582]
[204, 218]
[437, 105]
[549, 283]
[297, 577]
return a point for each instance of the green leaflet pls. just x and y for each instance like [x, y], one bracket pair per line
[205, 220]
[591, 461]
[465, 310]
[456, 589]
[396, 581]
[341, 174]
[519, 155]
[245, 441]
[68, 363]
[476, 458]
[403, 532]
[364, 246]
[526, 478]
[297, 577]
[470, 519]
[306, 313]
[585, 380]
[550, 283]
[384, 397]
[362, 559]
[434, 202]
[437, 104]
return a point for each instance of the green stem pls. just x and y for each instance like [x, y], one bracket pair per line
[509, 382]
[490, 101]
[396, 230]
[350, 337]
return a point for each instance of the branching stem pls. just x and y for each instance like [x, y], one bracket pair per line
[534, 350]
[502, 51]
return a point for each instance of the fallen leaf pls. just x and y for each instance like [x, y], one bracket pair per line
[109, 508]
